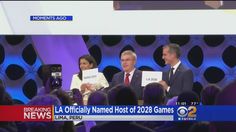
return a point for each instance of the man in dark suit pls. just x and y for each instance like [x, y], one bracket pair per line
[178, 78]
[130, 76]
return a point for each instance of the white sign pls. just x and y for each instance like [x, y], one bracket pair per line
[90, 76]
[150, 77]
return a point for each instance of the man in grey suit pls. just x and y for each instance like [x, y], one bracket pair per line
[130, 75]
[178, 78]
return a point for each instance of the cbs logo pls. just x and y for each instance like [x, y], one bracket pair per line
[187, 112]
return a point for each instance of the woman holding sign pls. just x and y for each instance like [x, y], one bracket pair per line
[88, 79]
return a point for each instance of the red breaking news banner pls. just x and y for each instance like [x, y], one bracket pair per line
[26, 113]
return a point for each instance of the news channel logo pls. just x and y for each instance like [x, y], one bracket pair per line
[187, 113]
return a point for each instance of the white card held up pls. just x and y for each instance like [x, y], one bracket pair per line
[90, 76]
[150, 77]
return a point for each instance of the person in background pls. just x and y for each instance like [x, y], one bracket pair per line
[178, 78]
[65, 100]
[208, 95]
[153, 94]
[87, 62]
[5, 99]
[225, 97]
[77, 97]
[45, 126]
[130, 76]
[172, 101]
[200, 127]
[97, 98]
[2, 90]
[186, 98]
[111, 94]
[123, 96]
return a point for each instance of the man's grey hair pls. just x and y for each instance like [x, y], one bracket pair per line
[129, 52]
[174, 48]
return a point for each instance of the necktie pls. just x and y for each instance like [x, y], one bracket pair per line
[171, 74]
[127, 79]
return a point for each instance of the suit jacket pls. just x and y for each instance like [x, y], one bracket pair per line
[182, 81]
[119, 127]
[135, 83]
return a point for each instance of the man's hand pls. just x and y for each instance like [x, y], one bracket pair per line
[164, 84]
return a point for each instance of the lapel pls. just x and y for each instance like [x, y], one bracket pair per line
[122, 77]
[177, 72]
[132, 82]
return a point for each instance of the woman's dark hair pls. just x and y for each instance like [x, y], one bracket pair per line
[88, 58]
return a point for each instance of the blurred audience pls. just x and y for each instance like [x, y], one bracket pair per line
[188, 98]
[124, 96]
[185, 98]
[225, 97]
[154, 94]
[111, 94]
[65, 100]
[198, 89]
[77, 97]
[2, 90]
[62, 96]
[45, 126]
[47, 88]
[208, 95]
[45, 100]
[97, 98]
[5, 99]
[172, 101]
[200, 127]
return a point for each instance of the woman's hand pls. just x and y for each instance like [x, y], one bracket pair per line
[91, 88]
[83, 87]
[87, 86]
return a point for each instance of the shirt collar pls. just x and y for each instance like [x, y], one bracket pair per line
[176, 65]
[131, 73]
